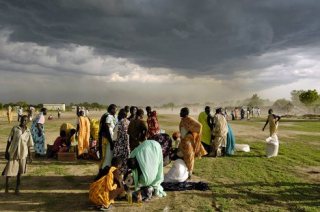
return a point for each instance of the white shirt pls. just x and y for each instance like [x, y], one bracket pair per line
[111, 121]
[19, 143]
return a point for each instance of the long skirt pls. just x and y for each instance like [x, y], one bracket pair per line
[107, 154]
[39, 141]
[231, 141]
[186, 147]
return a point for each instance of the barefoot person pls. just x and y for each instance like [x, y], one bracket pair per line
[17, 151]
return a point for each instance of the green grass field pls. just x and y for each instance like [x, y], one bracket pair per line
[243, 182]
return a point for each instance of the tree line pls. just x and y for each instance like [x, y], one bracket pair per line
[308, 98]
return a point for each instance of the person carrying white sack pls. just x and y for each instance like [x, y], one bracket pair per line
[272, 141]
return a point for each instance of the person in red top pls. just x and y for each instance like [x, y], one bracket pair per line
[60, 144]
[153, 123]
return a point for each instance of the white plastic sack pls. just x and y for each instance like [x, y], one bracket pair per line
[178, 172]
[242, 147]
[272, 146]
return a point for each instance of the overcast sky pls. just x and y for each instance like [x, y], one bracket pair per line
[154, 52]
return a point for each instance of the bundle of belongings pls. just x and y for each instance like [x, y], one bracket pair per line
[272, 146]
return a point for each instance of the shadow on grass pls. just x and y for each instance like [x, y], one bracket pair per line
[247, 156]
[40, 201]
[45, 161]
[282, 194]
[52, 193]
[46, 183]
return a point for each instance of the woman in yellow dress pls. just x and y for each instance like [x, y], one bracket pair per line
[107, 185]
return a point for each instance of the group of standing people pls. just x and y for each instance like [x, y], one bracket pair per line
[119, 135]
[242, 113]
[30, 111]
[217, 136]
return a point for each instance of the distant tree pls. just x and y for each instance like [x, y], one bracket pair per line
[309, 97]
[86, 104]
[255, 101]
[97, 105]
[169, 105]
[22, 104]
[295, 96]
[283, 104]
[1, 106]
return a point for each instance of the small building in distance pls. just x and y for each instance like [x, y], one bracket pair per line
[62, 107]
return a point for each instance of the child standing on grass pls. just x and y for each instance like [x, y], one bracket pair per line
[17, 150]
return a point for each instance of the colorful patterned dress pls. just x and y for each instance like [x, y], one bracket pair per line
[39, 137]
[121, 142]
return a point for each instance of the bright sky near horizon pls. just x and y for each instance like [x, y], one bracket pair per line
[154, 52]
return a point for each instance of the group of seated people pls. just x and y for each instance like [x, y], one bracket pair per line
[64, 141]
[76, 139]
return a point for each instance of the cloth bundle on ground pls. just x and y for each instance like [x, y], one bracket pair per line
[149, 157]
[242, 147]
[272, 146]
[178, 172]
[183, 186]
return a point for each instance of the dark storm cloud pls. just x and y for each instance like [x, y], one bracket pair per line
[189, 37]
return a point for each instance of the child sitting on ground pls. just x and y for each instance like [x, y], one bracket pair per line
[107, 185]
